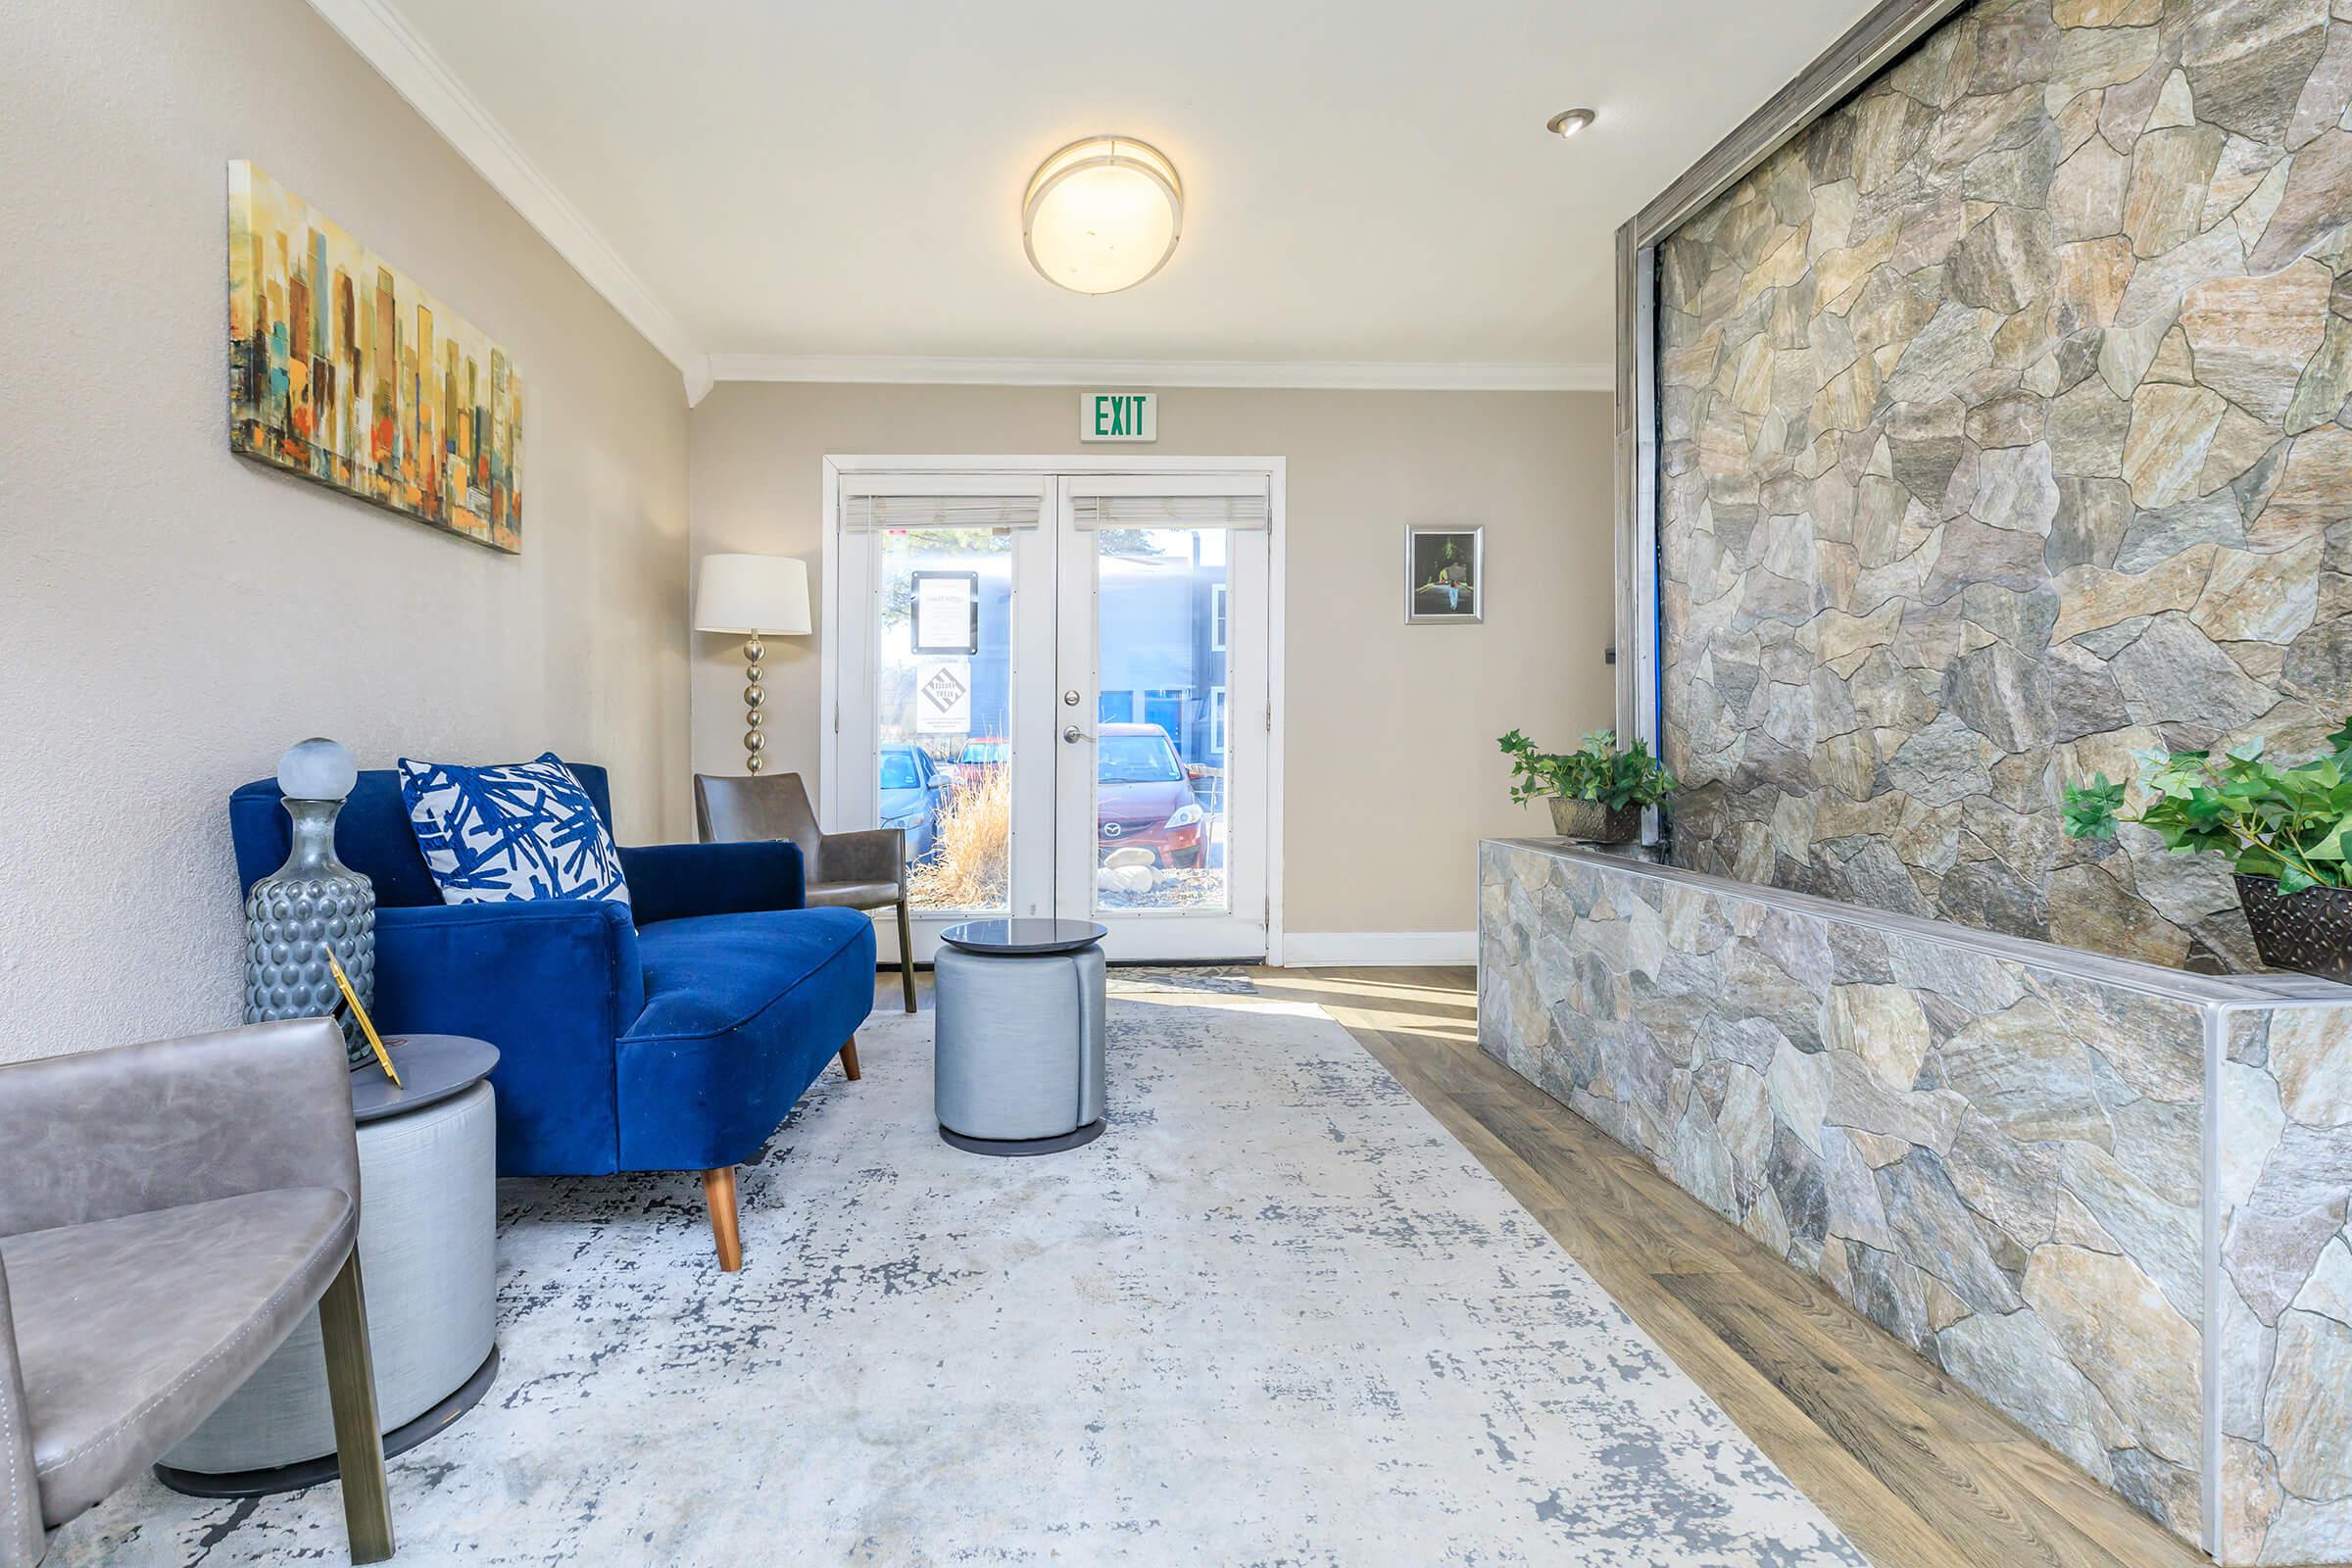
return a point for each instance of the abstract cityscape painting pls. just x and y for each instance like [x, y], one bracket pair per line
[342, 370]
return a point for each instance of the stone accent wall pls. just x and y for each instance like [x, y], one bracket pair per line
[2285, 1287]
[2005, 431]
[1996, 1157]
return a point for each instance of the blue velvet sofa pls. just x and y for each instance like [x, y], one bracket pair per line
[671, 1033]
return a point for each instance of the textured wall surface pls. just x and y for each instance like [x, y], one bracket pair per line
[1997, 1159]
[1532, 467]
[2004, 432]
[173, 617]
[2285, 1288]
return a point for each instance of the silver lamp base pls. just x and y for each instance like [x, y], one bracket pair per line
[754, 696]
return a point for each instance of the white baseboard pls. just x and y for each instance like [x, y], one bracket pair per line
[1308, 949]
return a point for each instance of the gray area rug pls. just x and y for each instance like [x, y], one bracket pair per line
[1274, 1315]
[1223, 979]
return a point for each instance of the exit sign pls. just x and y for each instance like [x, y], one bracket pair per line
[1118, 416]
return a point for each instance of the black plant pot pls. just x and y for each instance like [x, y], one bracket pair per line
[2310, 930]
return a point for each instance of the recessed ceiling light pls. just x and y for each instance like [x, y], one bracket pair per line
[1102, 215]
[1568, 121]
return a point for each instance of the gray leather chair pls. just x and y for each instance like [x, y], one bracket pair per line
[168, 1212]
[862, 870]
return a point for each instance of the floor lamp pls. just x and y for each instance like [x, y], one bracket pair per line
[751, 596]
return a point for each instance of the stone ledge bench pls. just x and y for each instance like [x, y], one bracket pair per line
[2108, 1197]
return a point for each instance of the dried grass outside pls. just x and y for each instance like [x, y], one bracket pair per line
[970, 866]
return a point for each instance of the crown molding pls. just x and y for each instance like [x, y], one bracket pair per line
[1359, 374]
[384, 39]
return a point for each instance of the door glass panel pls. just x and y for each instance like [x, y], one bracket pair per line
[942, 755]
[1160, 735]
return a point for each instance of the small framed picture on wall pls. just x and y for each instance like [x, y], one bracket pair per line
[1444, 575]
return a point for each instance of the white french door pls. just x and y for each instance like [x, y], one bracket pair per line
[1054, 676]
[1160, 815]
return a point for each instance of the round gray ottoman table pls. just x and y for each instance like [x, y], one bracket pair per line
[428, 1239]
[1017, 1067]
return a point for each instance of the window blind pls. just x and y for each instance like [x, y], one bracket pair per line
[870, 503]
[1170, 501]
[870, 513]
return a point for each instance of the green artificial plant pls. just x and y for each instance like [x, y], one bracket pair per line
[2288, 823]
[1596, 770]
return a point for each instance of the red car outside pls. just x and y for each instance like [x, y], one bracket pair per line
[1143, 797]
[981, 754]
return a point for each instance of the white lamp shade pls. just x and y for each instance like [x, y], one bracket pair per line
[753, 594]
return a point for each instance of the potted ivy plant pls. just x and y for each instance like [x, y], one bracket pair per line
[2287, 831]
[1596, 792]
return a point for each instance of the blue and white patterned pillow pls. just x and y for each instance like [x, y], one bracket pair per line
[499, 835]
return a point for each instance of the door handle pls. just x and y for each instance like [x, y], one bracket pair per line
[1074, 735]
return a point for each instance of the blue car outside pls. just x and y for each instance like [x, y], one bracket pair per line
[912, 786]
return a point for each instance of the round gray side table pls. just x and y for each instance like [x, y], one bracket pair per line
[1017, 1067]
[428, 1244]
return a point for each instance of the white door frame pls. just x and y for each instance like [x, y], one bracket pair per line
[836, 464]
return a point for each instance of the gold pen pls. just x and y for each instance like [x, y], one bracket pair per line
[351, 997]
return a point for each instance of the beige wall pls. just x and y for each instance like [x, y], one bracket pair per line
[1392, 771]
[141, 677]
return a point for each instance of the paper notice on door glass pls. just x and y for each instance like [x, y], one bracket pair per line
[944, 622]
[943, 697]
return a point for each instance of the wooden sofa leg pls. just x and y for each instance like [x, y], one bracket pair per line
[849, 1059]
[719, 1190]
[351, 1393]
[905, 959]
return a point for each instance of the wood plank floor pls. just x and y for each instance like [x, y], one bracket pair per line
[1918, 1472]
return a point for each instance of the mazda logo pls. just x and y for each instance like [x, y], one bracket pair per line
[1112, 830]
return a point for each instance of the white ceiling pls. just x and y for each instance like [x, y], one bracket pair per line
[1366, 181]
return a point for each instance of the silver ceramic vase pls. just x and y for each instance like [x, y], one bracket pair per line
[311, 903]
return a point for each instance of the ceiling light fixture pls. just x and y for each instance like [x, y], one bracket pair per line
[1568, 121]
[1102, 215]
